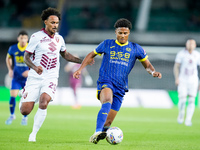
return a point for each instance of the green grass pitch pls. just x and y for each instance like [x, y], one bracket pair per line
[69, 129]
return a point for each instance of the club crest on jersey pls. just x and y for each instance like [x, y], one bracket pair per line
[128, 49]
[57, 39]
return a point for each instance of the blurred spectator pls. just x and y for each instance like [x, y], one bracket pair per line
[76, 84]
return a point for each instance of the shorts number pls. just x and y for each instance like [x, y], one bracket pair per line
[52, 86]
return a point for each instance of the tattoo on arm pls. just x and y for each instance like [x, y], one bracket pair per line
[28, 61]
[69, 57]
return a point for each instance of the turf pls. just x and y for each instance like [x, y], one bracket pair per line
[69, 129]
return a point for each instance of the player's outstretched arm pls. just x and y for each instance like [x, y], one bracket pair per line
[9, 65]
[150, 69]
[89, 59]
[69, 57]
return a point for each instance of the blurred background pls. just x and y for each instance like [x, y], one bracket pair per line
[161, 27]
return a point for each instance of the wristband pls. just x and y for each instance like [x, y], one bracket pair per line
[152, 73]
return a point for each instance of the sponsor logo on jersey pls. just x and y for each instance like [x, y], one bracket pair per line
[105, 85]
[52, 46]
[45, 40]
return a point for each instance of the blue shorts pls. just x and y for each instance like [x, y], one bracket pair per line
[118, 93]
[17, 84]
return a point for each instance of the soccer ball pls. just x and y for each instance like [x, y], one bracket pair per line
[114, 135]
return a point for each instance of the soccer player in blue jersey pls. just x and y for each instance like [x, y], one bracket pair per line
[118, 60]
[18, 71]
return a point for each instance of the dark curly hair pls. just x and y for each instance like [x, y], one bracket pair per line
[48, 12]
[122, 22]
[22, 32]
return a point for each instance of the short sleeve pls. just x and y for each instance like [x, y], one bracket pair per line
[178, 57]
[63, 47]
[33, 42]
[10, 52]
[141, 53]
[100, 48]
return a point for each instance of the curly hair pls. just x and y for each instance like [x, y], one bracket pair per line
[122, 22]
[48, 12]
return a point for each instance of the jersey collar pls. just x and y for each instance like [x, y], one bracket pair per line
[121, 44]
[21, 48]
[43, 29]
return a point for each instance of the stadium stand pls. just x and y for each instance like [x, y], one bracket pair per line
[170, 24]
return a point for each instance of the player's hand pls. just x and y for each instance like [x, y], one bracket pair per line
[39, 70]
[10, 73]
[77, 74]
[25, 73]
[157, 74]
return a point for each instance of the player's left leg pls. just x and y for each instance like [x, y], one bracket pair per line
[39, 116]
[111, 116]
[181, 107]
[47, 90]
[192, 92]
[182, 95]
[190, 111]
[12, 103]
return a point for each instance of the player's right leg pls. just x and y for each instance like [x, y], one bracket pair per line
[97, 136]
[106, 97]
[181, 107]
[182, 95]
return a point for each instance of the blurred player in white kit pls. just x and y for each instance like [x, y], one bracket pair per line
[42, 57]
[186, 78]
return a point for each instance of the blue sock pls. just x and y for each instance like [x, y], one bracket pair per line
[12, 103]
[102, 116]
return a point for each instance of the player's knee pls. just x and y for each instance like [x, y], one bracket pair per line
[43, 104]
[191, 100]
[44, 101]
[106, 100]
[26, 108]
[25, 111]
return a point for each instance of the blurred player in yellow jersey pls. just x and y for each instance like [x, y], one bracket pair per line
[18, 71]
[186, 78]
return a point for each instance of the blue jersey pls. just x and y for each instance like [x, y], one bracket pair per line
[16, 52]
[118, 61]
